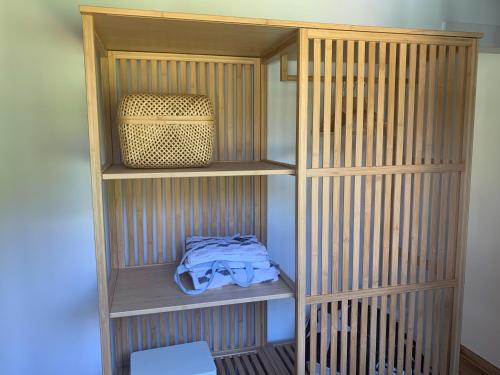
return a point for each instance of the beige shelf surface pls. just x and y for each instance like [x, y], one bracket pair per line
[151, 289]
[218, 168]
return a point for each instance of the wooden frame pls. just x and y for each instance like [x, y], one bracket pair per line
[375, 237]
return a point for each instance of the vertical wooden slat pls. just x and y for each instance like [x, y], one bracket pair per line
[337, 145]
[367, 208]
[314, 197]
[301, 196]
[232, 327]
[224, 323]
[239, 112]
[196, 206]
[139, 220]
[426, 191]
[220, 111]
[259, 148]
[186, 194]
[358, 160]
[419, 138]
[133, 76]
[204, 206]
[410, 108]
[206, 325]
[346, 235]
[216, 204]
[377, 214]
[259, 151]
[163, 77]
[106, 86]
[395, 271]
[149, 220]
[239, 204]
[113, 65]
[183, 83]
[173, 77]
[248, 143]
[177, 223]
[437, 201]
[120, 243]
[169, 229]
[325, 210]
[383, 345]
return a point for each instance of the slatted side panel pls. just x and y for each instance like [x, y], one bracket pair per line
[369, 102]
[384, 164]
[364, 336]
[226, 329]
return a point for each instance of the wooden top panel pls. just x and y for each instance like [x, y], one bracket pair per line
[151, 289]
[185, 36]
[127, 29]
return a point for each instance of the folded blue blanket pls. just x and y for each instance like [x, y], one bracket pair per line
[216, 261]
[222, 277]
[239, 248]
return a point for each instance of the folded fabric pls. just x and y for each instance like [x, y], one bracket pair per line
[239, 248]
[222, 277]
[235, 265]
[216, 261]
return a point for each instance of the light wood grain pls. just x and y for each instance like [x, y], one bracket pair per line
[223, 168]
[301, 200]
[151, 289]
[110, 11]
[97, 189]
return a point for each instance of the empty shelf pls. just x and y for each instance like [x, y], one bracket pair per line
[151, 289]
[218, 168]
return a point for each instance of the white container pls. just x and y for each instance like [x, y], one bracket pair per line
[186, 359]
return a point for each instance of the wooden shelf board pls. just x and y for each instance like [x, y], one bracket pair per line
[217, 168]
[151, 289]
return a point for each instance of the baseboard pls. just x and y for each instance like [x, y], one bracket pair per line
[478, 363]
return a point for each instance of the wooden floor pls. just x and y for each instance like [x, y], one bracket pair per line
[269, 360]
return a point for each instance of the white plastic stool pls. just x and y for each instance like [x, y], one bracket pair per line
[186, 359]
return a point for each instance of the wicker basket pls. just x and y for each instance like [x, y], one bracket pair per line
[166, 131]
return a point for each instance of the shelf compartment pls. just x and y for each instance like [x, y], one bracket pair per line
[277, 359]
[217, 168]
[151, 289]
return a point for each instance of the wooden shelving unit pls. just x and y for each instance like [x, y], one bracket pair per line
[216, 169]
[381, 201]
[151, 289]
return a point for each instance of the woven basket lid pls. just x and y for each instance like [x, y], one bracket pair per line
[182, 106]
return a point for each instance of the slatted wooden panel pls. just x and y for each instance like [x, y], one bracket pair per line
[225, 328]
[153, 217]
[385, 124]
[270, 360]
[150, 218]
[364, 336]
